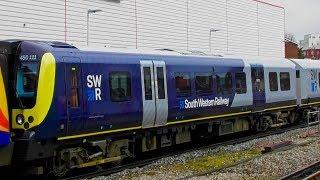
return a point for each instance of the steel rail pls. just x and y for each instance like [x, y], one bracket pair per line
[304, 172]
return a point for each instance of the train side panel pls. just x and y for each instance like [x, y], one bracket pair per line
[279, 78]
[192, 106]
[282, 78]
[102, 77]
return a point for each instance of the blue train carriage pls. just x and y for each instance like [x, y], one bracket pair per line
[273, 91]
[111, 105]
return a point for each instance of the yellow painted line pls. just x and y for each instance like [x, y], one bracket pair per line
[310, 104]
[282, 107]
[169, 123]
[98, 133]
[210, 117]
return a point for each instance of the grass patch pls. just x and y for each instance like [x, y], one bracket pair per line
[220, 160]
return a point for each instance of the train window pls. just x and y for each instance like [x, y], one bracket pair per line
[160, 76]
[203, 83]
[224, 83]
[120, 86]
[27, 76]
[285, 81]
[241, 83]
[74, 89]
[297, 74]
[273, 81]
[183, 84]
[147, 83]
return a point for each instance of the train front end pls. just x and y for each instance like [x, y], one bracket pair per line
[6, 145]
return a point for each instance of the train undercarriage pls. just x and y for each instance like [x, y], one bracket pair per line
[59, 157]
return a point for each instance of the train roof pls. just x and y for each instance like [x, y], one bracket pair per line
[55, 46]
[307, 63]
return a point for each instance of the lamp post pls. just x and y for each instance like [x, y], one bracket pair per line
[90, 11]
[211, 30]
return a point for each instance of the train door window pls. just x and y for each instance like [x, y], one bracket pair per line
[273, 81]
[120, 86]
[285, 81]
[241, 83]
[258, 80]
[224, 83]
[183, 84]
[74, 89]
[160, 76]
[203, 83]
[147, 83]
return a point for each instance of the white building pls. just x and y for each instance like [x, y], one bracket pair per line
[239, 27]
[310, 41]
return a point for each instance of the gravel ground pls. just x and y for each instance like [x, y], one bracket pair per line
[268, 166]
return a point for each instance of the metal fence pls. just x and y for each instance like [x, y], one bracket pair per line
[313, 122]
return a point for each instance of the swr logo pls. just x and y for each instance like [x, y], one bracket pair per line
[94, 83]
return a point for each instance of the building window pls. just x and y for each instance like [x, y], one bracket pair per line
[285, 81]
[203, 83]
[147, 83]
[161, 89]
[183, 84]
[273, 81]
[120, 86]
[74, 94]
[241, 83]
[224, 83]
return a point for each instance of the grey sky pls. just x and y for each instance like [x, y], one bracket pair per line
[302, 16]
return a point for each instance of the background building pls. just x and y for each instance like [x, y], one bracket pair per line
[292, 50]
[312, 53]
[311, 46]
[310, 41]
[240, 27]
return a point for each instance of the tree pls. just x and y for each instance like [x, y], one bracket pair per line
[289, 37]
[300, 54]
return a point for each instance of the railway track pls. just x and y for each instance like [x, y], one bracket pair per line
[152, 158]
[309, 172]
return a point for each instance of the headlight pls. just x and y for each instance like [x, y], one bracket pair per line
[30, 119]
[20, 119]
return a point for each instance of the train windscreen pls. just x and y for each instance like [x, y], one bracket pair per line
[26, 82]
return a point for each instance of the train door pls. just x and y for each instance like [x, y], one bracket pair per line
[258, 87]
[74, 97]
[154, 93]
[298, 86]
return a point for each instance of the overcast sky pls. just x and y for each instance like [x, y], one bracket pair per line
[302, 16]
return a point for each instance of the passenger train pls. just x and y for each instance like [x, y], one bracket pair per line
[62, 107]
